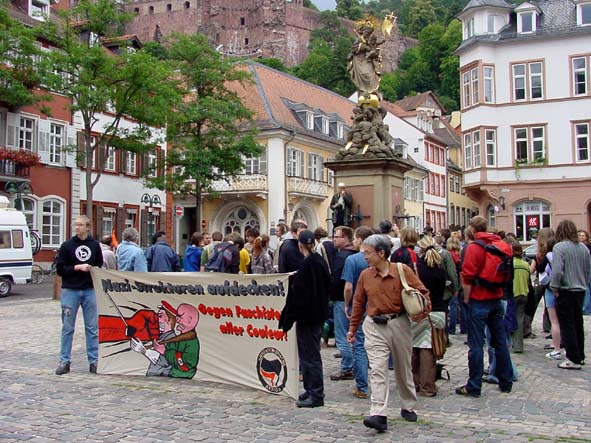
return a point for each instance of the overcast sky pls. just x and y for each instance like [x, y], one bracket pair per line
[325, 4]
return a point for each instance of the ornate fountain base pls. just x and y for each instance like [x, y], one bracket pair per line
[377, 186]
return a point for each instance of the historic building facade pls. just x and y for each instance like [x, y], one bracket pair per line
[526, 112]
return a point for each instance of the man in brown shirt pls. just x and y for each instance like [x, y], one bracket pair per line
[386, 328]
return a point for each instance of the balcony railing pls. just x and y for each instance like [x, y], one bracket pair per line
[242, 183]
[10, 169]
[307, 187]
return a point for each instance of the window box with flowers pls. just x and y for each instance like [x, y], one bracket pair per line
[17, 162]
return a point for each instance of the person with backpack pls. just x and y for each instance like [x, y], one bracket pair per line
[224, 257]
[486, 269]
[216, 238]
[406, 253]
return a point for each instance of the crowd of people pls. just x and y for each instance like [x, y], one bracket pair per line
[359, 280]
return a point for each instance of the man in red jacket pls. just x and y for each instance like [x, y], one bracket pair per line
[485, 309]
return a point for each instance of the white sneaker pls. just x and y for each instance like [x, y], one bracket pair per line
[554, 355]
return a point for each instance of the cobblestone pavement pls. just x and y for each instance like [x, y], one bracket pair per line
[547, 403]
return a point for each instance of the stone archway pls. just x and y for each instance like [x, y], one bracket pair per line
[238, 217]
[307, 213]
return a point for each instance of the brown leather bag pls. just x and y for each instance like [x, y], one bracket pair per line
[438, 341]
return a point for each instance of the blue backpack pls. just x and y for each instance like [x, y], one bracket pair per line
[220, 259]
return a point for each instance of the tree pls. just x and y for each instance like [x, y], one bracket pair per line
[100, 83]
[21, 73]
[211, 130]
[274, 63]
[421, 14]
[350, 9]
[326, 64]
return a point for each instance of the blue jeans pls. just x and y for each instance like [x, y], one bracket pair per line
[360, 362]
[483, 313]
[492, 361]
[452, 317]
[71, 300]
[464, 315]
[587, 301]
[341, 327]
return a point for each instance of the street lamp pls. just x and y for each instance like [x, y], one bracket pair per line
[151, 201]
[18, 188]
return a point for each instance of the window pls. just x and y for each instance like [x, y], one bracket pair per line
[521, 145]
[187, 5]
[475, 92]
[257, 165]
[457, 181]
[476, 148]
[579, 75]
[242, 21]
[56, 143]
[340, 130]
[17, 239]
[489, 84]
[152, 164]
[467, 100]
[130, 218]
[584, 14]
[151, 10]
[530, 144]
[582, 142]
[5, 242]
[530, 217]
[519, 82]
[537, 136]
[26, 133]
[468, 150]
[108, 221]
[536, 80]
[526, 22]
[490, 137]
[39, 9]
[451, 184]
[309, 120]
[130, 163]
[491, 216]
[169, 7]
[27, 206]
[110, 161]
[315, 167]
[246, 41]
[470, 28]
[528, 81]
[407, 187]
[51, 226]
[325, 125]
[490, 28]
[295, 163]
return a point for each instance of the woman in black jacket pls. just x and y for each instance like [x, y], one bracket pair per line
[307, 306]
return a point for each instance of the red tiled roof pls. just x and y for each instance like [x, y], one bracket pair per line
[271, 87]
[412, 102]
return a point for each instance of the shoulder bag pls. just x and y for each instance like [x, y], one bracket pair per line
[414, 302]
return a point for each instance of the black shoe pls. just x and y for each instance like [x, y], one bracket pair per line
[463, 390]
[408, 415]
[506, 389]
[310, 403]
[62, 368]
[92, 368]
[342, 376]
[303, 396]
[548, 337]
[377, 422]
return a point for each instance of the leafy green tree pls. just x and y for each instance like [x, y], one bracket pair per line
[22, 71]
[420, 15]
[326, 64]
[132, 83]
[350, 9]
[211, 130]
[274, 63]
[309, 4]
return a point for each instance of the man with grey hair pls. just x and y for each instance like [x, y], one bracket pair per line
[130, 256]
[341, 205]
[387, 329]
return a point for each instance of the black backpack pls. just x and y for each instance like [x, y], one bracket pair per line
[220, 258]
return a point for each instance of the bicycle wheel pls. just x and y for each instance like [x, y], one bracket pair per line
[37, 274]
[35, 243]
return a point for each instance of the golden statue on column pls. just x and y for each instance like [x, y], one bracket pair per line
[369, 137]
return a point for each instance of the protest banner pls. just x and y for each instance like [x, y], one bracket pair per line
[202, 326]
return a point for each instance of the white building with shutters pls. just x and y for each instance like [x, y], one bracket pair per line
[525, 75]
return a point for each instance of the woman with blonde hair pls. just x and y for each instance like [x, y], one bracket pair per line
[406, 253]
[433, 276]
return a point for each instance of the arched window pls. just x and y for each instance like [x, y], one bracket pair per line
[28, 206]
[530, 217]
[52, 230]
[151, 10]
[240, 220]
[491, 216]
[187, 5]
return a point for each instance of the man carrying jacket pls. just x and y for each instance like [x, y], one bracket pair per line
[485, 309]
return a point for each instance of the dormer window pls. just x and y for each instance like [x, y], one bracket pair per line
[325, 125]
[470, 27]
[526, 20]
[309, 120]
[39, 9]
[340, 130]
[584, 14]
[490, 28]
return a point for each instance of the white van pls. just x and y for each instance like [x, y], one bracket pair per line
[16, 258]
